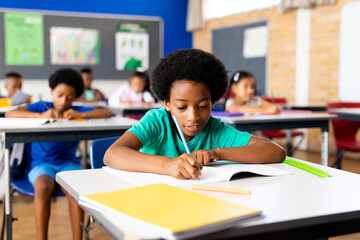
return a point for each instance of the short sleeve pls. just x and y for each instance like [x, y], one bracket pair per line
[83, 109]
[148, 129]
[227, 136]
[37, 107]
[147, 97]
[229, 102]
[255, 101]
[119, 94]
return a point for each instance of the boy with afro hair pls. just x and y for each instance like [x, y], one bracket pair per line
[189, 82]
[52, 157]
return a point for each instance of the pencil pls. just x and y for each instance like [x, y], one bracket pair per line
[219, 189]
[46, 106]
[182, 135]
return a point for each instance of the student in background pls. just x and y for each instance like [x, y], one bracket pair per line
[189, 82]
[13, 84]
[137, 90]
[52, 157]
[90, 94]
[242, 84]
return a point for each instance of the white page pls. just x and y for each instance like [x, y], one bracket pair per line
[228, 170]
[216, 173]
[23, 122]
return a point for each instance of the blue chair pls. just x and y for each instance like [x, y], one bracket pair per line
[19, 175]
[97, 151]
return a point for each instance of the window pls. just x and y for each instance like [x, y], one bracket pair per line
[222, 8]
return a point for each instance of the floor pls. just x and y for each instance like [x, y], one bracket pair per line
[24, 227]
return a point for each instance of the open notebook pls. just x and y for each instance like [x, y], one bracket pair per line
[164, 211]
[24, 122]
[211, 174]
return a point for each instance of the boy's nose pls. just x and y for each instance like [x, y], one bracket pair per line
[63, 100]
[193, 114]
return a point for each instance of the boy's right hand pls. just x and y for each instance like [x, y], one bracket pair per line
[184, 167]
[50, 113]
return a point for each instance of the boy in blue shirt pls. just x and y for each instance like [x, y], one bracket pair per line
[52, 157]
[189, 82]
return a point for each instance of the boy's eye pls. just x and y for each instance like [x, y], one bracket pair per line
[203, 106]
[181, 107]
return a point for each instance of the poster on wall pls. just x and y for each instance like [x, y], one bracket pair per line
[74, 46]
[132, 46]
[24, 39]
[256, 42]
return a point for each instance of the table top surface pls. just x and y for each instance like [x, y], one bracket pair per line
[300, 198]
[354, 111]
[13, 125]
[283, 117]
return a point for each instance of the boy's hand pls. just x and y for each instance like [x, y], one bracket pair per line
[184, 167]
[71, 113]
[50, 113]
[206, 156]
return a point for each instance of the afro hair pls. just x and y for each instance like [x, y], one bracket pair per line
[189, 64]
[69, 77]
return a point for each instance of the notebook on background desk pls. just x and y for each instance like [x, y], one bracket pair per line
[225, 114]
[24, 122]
[19, 98]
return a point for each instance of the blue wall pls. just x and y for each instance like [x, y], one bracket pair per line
[173, 12]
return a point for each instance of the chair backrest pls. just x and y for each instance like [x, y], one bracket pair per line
[19, 175]
[281, 101]
[344, 130]
[97, 151]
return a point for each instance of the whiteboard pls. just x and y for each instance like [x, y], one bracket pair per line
[349, 60]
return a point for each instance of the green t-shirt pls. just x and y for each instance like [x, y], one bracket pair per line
[157, 133]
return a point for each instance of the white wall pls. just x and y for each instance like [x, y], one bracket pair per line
[40, 88]
[349, 67]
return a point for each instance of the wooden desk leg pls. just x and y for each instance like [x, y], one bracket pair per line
[288, 142]
[324, 147]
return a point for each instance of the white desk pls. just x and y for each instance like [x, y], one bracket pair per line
[61, 130]
[124, 109]
[347, 113]
[295, 206]
[285, 121]
[314, 108]
[95, 104]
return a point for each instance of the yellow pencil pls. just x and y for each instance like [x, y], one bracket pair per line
[219, 189]
[78, 119]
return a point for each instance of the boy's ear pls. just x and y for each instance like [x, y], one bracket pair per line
[167, 105]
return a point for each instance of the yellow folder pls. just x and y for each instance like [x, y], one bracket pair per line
[173, 209]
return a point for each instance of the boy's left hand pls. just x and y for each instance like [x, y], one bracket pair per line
[71, 113]
[205, 157]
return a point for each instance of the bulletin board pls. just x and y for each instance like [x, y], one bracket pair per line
[102, 43]
[244, 47]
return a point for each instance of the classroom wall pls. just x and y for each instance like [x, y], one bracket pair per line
[172, 12]
[323, 54]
